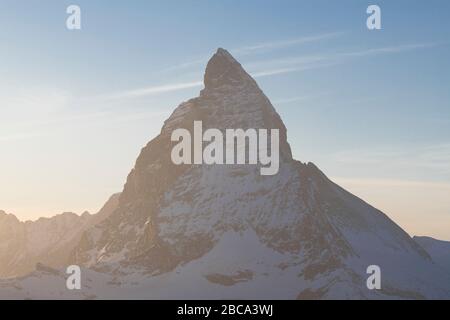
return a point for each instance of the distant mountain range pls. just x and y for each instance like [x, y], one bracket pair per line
[47, 240]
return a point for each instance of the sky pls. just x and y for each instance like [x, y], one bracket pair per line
[371, 108]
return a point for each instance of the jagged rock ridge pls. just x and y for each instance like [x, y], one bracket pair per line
[49, 241]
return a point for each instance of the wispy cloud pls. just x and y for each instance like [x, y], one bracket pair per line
[301, 63]
[185, 65]
[279, 66]
[272, 45]
[153, 90]
[20, 136]
[29, 102]
[296, 60]
[277, 71]
[258, 48]
[44, 127]
[159, 89]
[420, 159]
[375, 182]
[389, 50]
[299, 98]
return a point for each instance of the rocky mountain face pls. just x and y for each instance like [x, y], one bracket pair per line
[231, 99]
[47, 240]
[226, 231]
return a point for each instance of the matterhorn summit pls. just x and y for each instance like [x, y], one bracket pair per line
[227, 232]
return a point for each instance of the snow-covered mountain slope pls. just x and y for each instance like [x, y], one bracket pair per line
[438, 250]
[46, 240]
[226, 231]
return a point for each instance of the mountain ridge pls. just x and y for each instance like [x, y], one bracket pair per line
[47, 240]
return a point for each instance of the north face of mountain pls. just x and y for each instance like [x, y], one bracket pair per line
[231, 99]
[47, 240]
[229, 227]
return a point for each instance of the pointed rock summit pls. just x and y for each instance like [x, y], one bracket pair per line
[223, 69]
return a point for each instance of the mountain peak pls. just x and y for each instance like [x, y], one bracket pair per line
[223, 69]
[8, 216]
[225, 54]
[225, 230]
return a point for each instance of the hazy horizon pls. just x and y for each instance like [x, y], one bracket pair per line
[370, 109]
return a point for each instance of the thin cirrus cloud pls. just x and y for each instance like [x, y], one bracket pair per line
[267, 46]
[277, 71]
[296, 64]
[159, 89]
[432, 157]
[277, 66]
[153, 90]
[374, 182]
[31, 102]
[300, 98]
[387, 50]
[44, 127]
[20, 136]
[261, 47]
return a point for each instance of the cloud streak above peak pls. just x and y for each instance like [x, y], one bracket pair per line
[388, 50]
[259, 48]
[272, 45]
[278, 66]
[154, 90]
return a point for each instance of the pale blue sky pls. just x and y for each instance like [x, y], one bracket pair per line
[370, 108]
